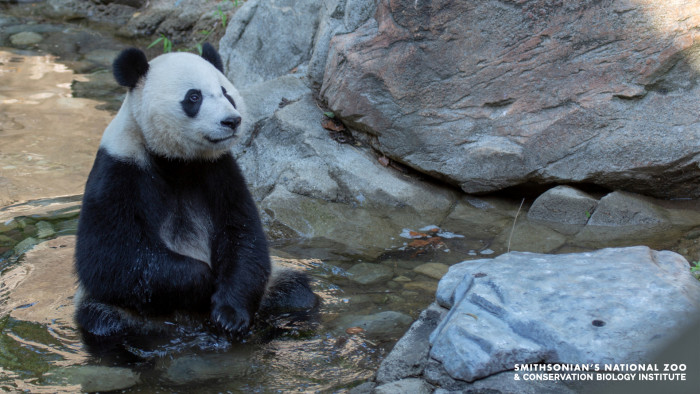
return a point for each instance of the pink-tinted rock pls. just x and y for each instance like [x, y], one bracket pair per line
[491, 94]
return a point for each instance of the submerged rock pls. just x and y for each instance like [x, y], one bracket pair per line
[382, 325]
[367, 274]
[94, 378]
[25, 38]
[574, 308]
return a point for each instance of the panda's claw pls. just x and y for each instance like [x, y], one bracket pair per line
[232, 320]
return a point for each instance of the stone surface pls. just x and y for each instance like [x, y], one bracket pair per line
[409, 385]
[305, 180]
[433, 270]
[626, 209]
[517, 308]
[94, 378]
[367, 274]
[382, 325]
[251, 56]
[25, 38]
[410, 354]
[563, 204]
[603, 93]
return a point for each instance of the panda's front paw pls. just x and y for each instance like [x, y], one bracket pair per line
[233, 320]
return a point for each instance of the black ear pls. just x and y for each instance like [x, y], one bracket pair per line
[212, 56]
[129, 67]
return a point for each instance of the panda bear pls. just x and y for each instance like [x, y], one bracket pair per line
[167, 226]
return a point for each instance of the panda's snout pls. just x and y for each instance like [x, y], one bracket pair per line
[232, 122]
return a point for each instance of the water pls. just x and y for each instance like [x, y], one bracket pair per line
[48, 139]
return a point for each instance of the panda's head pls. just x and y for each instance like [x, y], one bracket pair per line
[182, 103]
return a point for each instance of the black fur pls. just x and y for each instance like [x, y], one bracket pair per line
[129, 67]
[122, 262]
[212, 56]
[192, 102]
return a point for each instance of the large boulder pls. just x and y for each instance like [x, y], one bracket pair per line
[491, 94]
[610, 306]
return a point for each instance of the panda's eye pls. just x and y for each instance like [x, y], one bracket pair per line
[194, 97]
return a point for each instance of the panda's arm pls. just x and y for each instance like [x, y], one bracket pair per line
[240, 257]
[119, 256]
[242, 267]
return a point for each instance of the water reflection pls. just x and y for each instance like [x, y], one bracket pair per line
[48, 138]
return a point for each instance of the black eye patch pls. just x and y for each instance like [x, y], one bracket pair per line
[192, 102]
[229, 98]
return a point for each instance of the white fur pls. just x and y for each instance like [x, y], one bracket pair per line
[194, 243]
[152, 117]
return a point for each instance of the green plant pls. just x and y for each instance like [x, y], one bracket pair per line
[695, 267]
[167, 44]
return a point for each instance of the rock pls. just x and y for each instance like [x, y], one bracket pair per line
[305, 180]
[409, 355]
[190, 369]
[44, 230]
[530, 237]
[626, 209]
[503, 382]
[433, 270]
[563, 204]
[384, 325]
[367, 274]
[574, 92]
[420, 285]
[251, 58]
[519, 308]
[26, 38]
[93, 378]
[364, 388]
[409, 385]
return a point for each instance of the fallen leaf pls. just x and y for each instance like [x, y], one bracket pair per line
[332, 124]
[415, 234]
[354, 330]
[419, 243]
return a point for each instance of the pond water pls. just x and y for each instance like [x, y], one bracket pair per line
[52, 114]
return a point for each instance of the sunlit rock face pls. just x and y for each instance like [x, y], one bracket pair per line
[492, 94]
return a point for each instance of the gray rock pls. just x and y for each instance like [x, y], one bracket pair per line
[409, 385]
[503, 382]
[364, 388]
[44, 230]
[440, 88]
[433, 270]
[93, 378]
[367, 274]
[305, 180]
[382, 325]
[517, 308]
[265, 40]
[209, 366]
[627, 209]
[530, 237]
[410, 354]
[563, 204]
[25, 38]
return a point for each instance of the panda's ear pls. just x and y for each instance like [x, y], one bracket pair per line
[129, 67]
[212, 56]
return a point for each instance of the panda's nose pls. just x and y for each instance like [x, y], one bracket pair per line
[231, 122]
